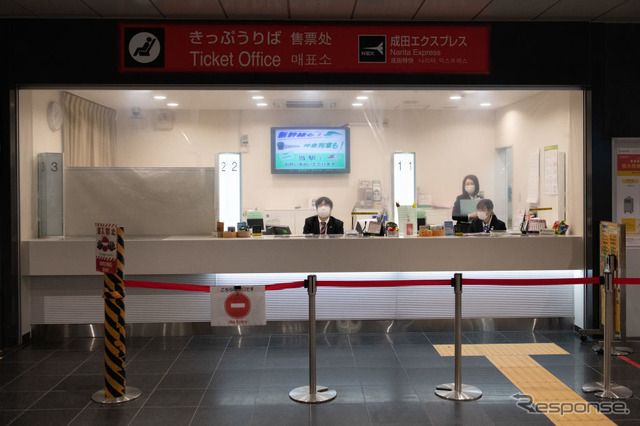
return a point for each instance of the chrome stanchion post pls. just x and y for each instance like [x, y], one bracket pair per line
[605, 388]
[457, 391]
[312, 394]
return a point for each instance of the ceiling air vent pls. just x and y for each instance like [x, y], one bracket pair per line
[301, 104]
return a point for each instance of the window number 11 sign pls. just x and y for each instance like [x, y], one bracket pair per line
[404, 179]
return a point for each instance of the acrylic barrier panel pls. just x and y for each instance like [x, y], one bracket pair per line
[146, 201]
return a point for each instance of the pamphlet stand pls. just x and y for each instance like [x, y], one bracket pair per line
[605, 388]
[457, 391]
[312, 394]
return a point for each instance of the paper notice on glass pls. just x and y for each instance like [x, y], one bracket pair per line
[627, 197]
[407, 220]
[551, 170]
[534, 176]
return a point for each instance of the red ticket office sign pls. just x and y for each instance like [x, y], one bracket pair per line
[297, 48]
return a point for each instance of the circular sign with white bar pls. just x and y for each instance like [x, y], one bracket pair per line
[238, 305]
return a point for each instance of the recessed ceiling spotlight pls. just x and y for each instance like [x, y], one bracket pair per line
[172, 104]
[485, 104]
[455, 97]
[159, 97]
[362, 98]
[257, 97]
[262, 104]
[356, 104]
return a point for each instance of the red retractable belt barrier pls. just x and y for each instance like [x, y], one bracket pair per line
[384, 283]
[531, 281]
[626, 281]
[201, 288]
[393, 283]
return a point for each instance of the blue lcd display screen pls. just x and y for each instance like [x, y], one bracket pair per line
[310, 150]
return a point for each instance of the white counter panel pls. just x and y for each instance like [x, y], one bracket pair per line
[78, 299]
[205, 255]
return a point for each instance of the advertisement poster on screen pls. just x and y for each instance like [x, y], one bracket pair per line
[106, 248]
[238, 305]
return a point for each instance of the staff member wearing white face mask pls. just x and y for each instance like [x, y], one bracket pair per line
[470, 191]
[486, 220]
[323, 223]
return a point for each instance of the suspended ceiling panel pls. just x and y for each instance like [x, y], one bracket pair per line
[256, 9]
[123, 8]
[516, 10]
[402, 10]
[183, 9]
[451, 10]
[579, 10]
[331, 10]
[628, 11]
[338, 10]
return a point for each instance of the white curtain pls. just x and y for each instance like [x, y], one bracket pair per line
[89, 133]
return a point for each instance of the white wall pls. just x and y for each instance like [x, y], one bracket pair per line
[550, 118]
[35, 137]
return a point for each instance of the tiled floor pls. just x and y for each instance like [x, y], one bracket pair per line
[381, 379]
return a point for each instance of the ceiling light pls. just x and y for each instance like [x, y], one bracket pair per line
[362, 98]
[262, 104]
[172, 104]
[356, 104]
[455, 97]
[159, 97]
[485, 104]
[257, 97]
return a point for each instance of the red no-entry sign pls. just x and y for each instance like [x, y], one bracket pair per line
[238, 305]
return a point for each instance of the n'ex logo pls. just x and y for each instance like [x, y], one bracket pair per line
[143, 47]
[372, 48]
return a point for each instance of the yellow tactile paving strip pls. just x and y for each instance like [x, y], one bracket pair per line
[514, 361]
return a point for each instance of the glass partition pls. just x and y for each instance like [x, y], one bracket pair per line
[146, 157]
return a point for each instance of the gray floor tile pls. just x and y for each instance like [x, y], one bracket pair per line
[183, 381]
[290, 414]
[398, 413]
[45, 417]
[18, 400]
[63, 399]
[174, 416]
[379, 378]
[226, 415]
[332, 414]
[7, 416]
[175, 398]
[114, 416]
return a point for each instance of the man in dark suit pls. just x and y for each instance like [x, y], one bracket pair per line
[486, 220]
[323, 223]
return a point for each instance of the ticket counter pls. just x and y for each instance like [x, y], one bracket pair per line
[66, 289]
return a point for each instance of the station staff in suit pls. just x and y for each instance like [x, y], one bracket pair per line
[486, 220]
[323, 223]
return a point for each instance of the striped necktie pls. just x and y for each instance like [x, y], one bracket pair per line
[323, 228]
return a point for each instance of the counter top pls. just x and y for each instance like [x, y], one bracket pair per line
[204, 254]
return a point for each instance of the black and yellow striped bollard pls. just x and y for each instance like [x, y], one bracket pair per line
[115, 382]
